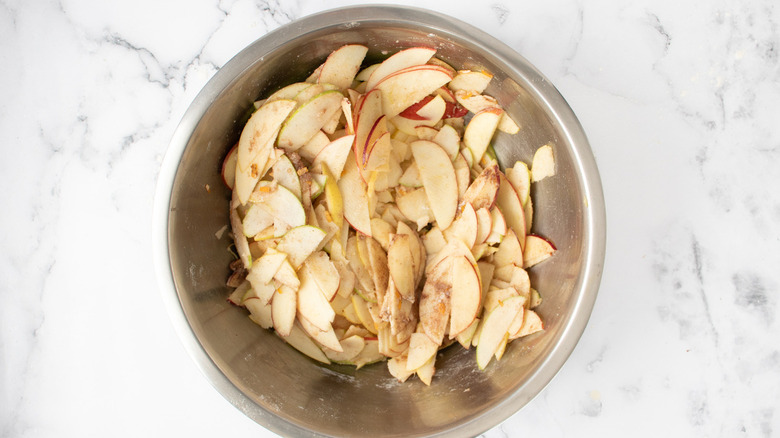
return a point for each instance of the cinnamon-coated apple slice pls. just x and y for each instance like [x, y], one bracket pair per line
[417, 250]
[326, 338]
[398, 61]
[342, 65]
[300, 242]
[435, 302]
[483, 191]
[479, 132]
[495, 327]
[438, 177]
[399, 260]
[405, 87]
[350, 347]
[484, 224]
[537, 249]
[280, 203]
[465, 296]
[308, 119]
[264, 268]
[312, 304]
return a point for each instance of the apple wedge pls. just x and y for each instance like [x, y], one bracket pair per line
[495, 327]
[246, 179]
[350, 347]
[400, 60]
[465, 296]
[299, 340]
[378, 266]
[434, 241]
[280, 203]
[283, 309]
[319, 267]
[425, 372]
[334, 155]
[264, 269]
[355, 198]
[421, 349]
[537, 249]
[435, 302]
[399, 262]
[286, 176]
[308, 119]
[312, 304]
[465, 337]
[467, 80]
[262, 126]
[438, 176]
[300, 242]
[407, 86]
[483, 191]
[342, 65]
[229, 167]
[543, 164]
[479, 132]
[286, 275]
[520, 178]
[509, 203]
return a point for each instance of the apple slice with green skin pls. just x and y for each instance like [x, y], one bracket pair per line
[324, 272]
[479, 132]
[438, 176]
[364, 74]
[283, 309]
[229, 167]
[334, 155]
[400, 60]
[342, 65]
[286, 176]
[482, 193]
[465, 337]
[468, 80]
[262, 126]
[308, 119]
[495, 327]
[280, 203]
[435, 303]
[414, 206]
[308, 93]
[350, 348]
[520, 178]
[399, 261]
[298, 338]
[449, 139]
[326, 338]
[484, 225]
[355, 198]
[405, 87]
[509, 203]
[495, 297]
[543, 164]
[312, 304]
[300, 242]
[264, 269]
[464, 227]
[289, 92]
[465, 296]
[421, 348]
[537, 249]
[256, 220]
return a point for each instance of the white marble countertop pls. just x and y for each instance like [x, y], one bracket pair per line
[681, 103]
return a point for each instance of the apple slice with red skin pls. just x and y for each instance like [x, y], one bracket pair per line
[484, 225]
[354, 198]
[537, 249]
[479, 132]
[495, 327]
[465, 296]
[411, 112]
[308, 119]
[400, 60]
[405, 87]
[510, 205]
[438, 176]
[342, 65]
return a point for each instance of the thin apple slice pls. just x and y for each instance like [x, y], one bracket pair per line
[425, 132]
[280, 203]
[498, 230]
[326, 338]
[532, 323]
[414, 206]
[405, 87]
[435, 303]
[465, 337]
[399, 261]
[308, 119]
[475, 103]
[381, 231]
[464, 227]
[484, 224]
[364, 315]
[229, 167]
[264, 268]
[378, 158]
[421, 349]
[509, 203]
[364, 74]
[242, 244]
[246, 178]
[283, 309]
[355, 198]
[411, 177]
[286, 175]
[350, 347]
[495, 296]
[320, 268]
[334, 155]
[509, 251]
[298, 338]
[434, 241]
[378, 266]
[416, 248]
[286, 275]
[400, 60]
[482, 193]
[449, 139]
[467, 80]
[438, 176]
[479, 132]
[520, 178]
[494, 329]
[312, 304]
[260, 313]
[342, 65]
[537, 249]
[289, 92]
[428, 114]
[486, 271]
[543, 164]
[256, 220]
[465, 296]
[462, 173]
[300, 242]
[235, 297]
[397, 368]
[425, 372]
[262, 126]
[528, 211]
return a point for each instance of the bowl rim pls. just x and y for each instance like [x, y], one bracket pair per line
[544, 91]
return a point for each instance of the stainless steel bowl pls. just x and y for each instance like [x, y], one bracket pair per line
[277, 386]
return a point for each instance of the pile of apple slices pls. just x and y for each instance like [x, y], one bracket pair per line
[372, 222]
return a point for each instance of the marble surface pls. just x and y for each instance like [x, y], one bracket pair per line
[681, 103]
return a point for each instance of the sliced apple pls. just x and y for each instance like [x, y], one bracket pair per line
[262, 126]
[425, 372]
[242, 244]
[280, 203]
[298, 338]
[498, 230]
[416, 248]
[426, 115]
[543, 164]
[495, 327]
[434, 241]
[464, 227]
[378, 265]
[264, 268]
[465, 296]
[286, 275]
[235, 297]
[229, 167]
[312, 304]
[326, 338]
[421, 349]
[449, 139]
[528, 211]
[509, 203]
[363, 314]
[411, 177]
[537, 249]
[462, 173]
[397, 368]
[260, 313]
[350, 347]
[483, 191]
[532, 323]
[435, 302]
[342, 65]
[321, 269]
[286, 176]
[509, 251]
[407, 86]
[256, 220]
[479, 132]
[438, 176]
[399, 260]
[246, 178]
[484, 224]
[283, 309]
[334, 155]
[467, 80]
[400, 60]
[364, 74]
[520, 178]
[414, 206]
[289, 92]
[465, 337]
[355, 198]
[308, 119]
[300, 242]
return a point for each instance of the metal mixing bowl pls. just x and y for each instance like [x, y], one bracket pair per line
[282, 389]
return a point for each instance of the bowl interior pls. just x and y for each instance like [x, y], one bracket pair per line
[283, 389]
